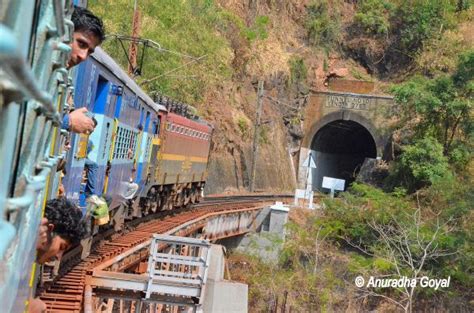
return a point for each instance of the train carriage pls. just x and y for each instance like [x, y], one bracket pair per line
[34, 86]
[182, 162]
[137, 143]
[127, 122]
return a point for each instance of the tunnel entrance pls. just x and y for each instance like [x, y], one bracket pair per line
[341, 147]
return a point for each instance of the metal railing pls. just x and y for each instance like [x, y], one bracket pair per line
[33, 88]
[176, 274]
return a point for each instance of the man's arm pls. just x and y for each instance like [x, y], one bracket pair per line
[78, 122]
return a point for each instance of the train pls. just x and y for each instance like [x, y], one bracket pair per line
[136, 140]
[151, 154]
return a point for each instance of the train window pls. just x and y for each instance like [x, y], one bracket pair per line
[158, 126]
[126, 139]
[148, 148]
[117, 143]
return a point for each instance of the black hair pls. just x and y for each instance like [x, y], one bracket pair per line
[84, 20]
[67, 220]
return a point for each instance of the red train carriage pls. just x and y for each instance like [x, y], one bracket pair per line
[178, 173]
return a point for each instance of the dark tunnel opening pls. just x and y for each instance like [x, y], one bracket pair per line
[341, 147]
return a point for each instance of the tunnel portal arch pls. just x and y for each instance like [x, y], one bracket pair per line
[339, 145]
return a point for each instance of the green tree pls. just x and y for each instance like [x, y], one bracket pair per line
[442, 105]
[417, 20]
[421, 164]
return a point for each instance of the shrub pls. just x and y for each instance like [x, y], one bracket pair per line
[373, 16]
[421, 164]
[298, 70]
[258, 30]
[322, 27]
[243, 125]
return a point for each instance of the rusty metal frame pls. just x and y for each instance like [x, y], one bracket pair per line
[128, 253]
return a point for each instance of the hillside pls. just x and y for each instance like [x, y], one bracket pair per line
[294, 46]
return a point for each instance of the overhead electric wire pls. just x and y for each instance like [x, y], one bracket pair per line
[285, 103]
[149, 43]
[173, 70]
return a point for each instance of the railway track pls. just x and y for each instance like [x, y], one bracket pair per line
[66, 293]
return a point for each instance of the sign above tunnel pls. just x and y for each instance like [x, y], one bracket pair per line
[348, 102]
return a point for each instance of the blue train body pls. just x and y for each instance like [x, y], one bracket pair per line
[122, 110]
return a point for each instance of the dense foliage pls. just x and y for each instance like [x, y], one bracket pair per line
[322, 24]
[389, 36]
[444, 130]
[373, 16]
[369, 232]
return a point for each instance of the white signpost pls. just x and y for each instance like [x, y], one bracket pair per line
[307, 193]
[333, 184]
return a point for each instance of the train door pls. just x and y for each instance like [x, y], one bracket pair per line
[156, 143]
[145, 142]
[113, 135]
[91, 146]
[138, 145]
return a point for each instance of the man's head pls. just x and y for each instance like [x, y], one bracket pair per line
[88, 34]
[65, 228]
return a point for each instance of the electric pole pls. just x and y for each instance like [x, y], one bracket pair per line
[256, 136]
[133, 49]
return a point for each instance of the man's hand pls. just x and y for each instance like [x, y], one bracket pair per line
[42, 234]
[79, 122]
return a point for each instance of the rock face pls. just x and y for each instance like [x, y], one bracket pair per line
[373, 172]
[292, 70]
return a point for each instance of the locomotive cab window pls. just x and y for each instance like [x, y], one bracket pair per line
[157, 126]
[101, 95]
